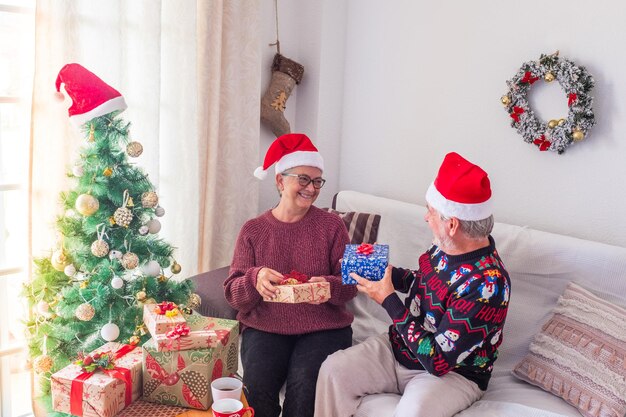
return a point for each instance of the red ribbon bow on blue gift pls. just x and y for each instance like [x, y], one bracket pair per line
[365, 249]
[178, 331]
[164, 307]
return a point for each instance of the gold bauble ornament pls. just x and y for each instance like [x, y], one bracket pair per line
[130, 202]
[141, 295]
[130, 260]
[112, 221]
[107, 172]
[134, 340]
[149, 199]
[123, 216]
[506, 100]
[59, 260]
[549, 77]
[87, 204]
[85, 312]
[99, 248]
[42, 364]
[134, 149]
[84, 284]
[553, 123]
[162, 278]
[194, 301]
[561, 122]
[578, 135]
[175, 268]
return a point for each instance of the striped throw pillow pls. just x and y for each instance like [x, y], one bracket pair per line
[580, 354]
[362, 227]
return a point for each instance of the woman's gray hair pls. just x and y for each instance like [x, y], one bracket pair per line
[474, 229]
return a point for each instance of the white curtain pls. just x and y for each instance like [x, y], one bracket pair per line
[190, 73]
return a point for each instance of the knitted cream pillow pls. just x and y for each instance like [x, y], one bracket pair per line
[580, 354]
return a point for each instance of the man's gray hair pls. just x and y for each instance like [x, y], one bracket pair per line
[474, 229]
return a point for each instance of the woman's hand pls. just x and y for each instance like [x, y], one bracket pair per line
[317, 279]
[266, 280]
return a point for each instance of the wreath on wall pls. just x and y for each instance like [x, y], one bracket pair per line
[554, 135]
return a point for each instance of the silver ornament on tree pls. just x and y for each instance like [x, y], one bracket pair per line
[117, 283]
[85, 312]
[149, 199]
[134, 149]
[70, 270]
[110, 332]
[151, 268]
[143, 230]
[154, 226]
[159, 211]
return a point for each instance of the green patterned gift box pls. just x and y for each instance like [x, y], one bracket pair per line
[183, 378]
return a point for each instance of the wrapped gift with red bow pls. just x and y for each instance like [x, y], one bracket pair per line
[182, 378]
[100, 384]
[162, 318]
[296, 288]
[368, 261]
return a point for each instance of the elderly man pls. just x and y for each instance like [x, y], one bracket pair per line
[444, 337]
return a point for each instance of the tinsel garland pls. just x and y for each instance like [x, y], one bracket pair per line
[554, 135]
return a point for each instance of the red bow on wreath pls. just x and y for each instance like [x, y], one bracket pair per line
[164, 307]
[542, 143]
[528, 78]
[572, 98]
[365, 249]
[517, 111]
[178, 331]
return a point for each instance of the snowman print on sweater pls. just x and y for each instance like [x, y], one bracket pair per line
[447, 339]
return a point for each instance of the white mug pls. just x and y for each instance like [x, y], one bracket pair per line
[228, 407]
[226, 387]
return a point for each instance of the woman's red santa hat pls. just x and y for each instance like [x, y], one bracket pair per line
[91, 97]
[288, 151]
[461, 190]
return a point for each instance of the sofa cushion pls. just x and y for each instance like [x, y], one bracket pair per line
[210, 287]
[580, 354]
[362, 227]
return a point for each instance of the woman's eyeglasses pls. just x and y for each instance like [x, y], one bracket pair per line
[305, 180]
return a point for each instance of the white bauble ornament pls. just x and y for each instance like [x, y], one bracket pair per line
[85, 312]
[110, 332]
[152, 269]
[143, 230]
[123, 216]
[115, 254]
[70, 270]
[117, 283]
[159, 211]
[42, 364]
[154, 226]
[43, 308]
[87, 204]
[130, 260]
[99, 248]
[78, 170]
[134, 149]
[149, 199]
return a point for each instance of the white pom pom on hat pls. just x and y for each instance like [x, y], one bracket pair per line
[288, 151]
[91, 97]
[461, 189]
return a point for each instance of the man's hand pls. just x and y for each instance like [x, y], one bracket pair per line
[265, 283]
[376, 290]
[317, 279]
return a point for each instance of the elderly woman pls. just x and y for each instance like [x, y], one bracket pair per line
[284, 342]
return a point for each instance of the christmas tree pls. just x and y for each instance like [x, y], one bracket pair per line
[109, 260]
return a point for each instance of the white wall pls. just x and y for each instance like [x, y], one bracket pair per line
[421, 79]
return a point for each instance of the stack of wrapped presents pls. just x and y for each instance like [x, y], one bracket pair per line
[174, 368]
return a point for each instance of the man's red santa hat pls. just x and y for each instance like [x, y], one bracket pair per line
[288, 151]
[91, 97]
[461, 190]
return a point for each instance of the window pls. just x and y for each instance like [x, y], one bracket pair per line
[17, 36]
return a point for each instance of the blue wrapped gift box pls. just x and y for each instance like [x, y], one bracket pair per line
[370, 266]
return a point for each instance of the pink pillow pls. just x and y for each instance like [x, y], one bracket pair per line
[580, 354]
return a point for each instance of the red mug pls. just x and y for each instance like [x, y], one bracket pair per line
[227, 407]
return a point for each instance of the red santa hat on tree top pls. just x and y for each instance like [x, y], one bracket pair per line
[288, 151]
[461, 190]
[91, 97]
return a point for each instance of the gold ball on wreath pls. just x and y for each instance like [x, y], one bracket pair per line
[549, 77]
[578, 135]
[123, 216]
[175, 268]
[553, 123]
[506, 100]
[134, 149]
[99, 248]
[561, 122]
[87, 204]
[149, 199]
[130, 260]
[85, 312]
[59, 260]
[42, 364]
